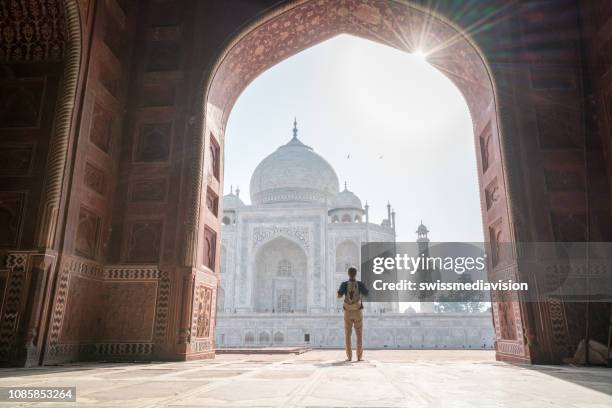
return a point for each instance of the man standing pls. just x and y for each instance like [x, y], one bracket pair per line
[352, 290]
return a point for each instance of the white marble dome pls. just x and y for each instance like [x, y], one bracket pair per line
[293, 173]
[231, 202]
[346, 200]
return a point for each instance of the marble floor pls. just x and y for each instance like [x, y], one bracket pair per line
[387, 378]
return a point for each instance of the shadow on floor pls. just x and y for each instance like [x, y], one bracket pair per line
[595, 378]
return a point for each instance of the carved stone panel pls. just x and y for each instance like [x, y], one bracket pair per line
[11, 218]
[88, 233]
[94, 179]
[214, 157]
[564, 180]
[557, 129]
[569, 227]
[212, 202]
[506, 320]
[81, 319]
[101, 128]
[16, 160]
[21, 103]
[203, 310]
[153, 142]
[210, 245]
[492, 194]
[156, 96]
[110, 80]
[114, 35]
[144, 241]
[487, 153]
[149, 190]
[164, 56]
[129, 311]
[496, 238]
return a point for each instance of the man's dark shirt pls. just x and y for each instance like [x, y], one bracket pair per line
[362, 289]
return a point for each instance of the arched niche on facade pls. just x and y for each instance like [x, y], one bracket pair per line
[347, 255]
[280, 277]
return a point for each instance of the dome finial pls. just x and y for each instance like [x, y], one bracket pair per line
[422, 231]
[295, 131]
[231, 189]
[346, 188]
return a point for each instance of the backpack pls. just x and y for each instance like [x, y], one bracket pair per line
[352, 298]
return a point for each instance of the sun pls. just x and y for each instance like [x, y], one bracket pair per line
[420, 54]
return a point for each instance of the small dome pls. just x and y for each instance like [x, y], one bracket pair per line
[422, 229]
[231, 202]
[346, 199]
[293, 173]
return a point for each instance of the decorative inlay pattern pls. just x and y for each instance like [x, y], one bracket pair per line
[202, 312]
[118, 275]
[131, 272]
[31, 30]
[70, 266]
[16, 262]
[264, 234]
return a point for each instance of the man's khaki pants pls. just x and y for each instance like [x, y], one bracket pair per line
[353, 318]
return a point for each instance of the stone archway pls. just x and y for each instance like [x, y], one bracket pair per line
[402, 25]
[280, 277]
[101, 164]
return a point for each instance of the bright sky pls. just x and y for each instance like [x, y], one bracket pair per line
[359, 98]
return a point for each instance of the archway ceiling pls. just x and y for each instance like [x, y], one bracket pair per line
[291, 30]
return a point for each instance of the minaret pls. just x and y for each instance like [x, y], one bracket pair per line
[367, 220]
[423, 243]
[422, 239]
[389, 213]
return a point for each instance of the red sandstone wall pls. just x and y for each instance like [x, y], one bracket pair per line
[596, 28]
[126, 284]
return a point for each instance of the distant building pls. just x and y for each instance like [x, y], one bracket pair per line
[290, 249]
[284, 256]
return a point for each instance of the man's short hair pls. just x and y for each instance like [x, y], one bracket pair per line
[352, 271]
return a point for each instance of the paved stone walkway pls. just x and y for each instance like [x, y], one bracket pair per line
[320, 379]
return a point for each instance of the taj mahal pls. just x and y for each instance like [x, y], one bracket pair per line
[284, 256]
